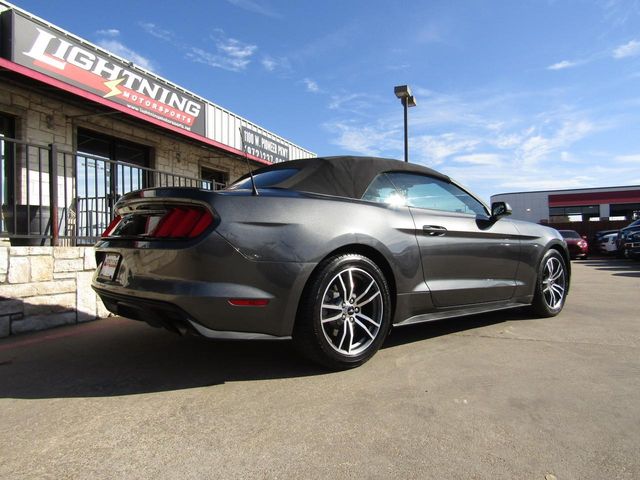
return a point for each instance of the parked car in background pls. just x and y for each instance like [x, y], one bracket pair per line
[597, 239]
[608, 243]
[623, 237]
[578, 246]
[632, 245]
[332, 252]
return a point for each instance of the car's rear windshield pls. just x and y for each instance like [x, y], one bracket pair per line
[569, 234]
[265, 179]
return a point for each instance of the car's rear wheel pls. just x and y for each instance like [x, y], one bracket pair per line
[552, 285]
[345, 313]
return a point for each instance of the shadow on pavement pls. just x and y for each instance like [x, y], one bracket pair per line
[425, 331]
[115, 356]
[622, 267]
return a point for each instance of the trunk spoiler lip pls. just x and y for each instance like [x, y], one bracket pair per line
[151, 204]
[163, 192]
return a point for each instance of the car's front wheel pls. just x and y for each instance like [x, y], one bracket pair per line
[552, 285]
[345, 312]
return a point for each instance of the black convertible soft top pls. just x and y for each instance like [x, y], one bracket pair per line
[344, 176]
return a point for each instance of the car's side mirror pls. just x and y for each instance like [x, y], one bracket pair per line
[499, 210]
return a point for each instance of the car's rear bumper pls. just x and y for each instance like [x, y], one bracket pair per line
[576, 252]
[189, 290]
[169, 316]
[633, 248]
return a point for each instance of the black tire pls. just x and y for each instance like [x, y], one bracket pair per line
[346, 300]
[550, 296]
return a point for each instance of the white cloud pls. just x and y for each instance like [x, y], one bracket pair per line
[108, 41]
[436, 149]
[491, 140]
[508, 140]
[255, 7]
[633, 158]
[620, 12]
[435, 109]
[230, 54]
[630, 49]
[539, 147]
[269, 63]
[568, 157]
[564, 64]
[109, 32]
[276, 64]
[157, 31]
[351, 102]
[125, 52]
[235, 49]
[311, 85]
[539, 181]
[364, 140]
[482, 159]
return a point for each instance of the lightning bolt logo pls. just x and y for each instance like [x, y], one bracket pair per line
[113, 86]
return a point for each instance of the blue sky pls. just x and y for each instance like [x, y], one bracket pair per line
[512, 95]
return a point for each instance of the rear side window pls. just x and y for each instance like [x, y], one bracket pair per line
[265, 179]
[381, 190]
[421, 191]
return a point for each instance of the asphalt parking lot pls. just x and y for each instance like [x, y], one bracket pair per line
[491, 396]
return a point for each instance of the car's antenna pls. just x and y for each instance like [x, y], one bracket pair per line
[254, 190]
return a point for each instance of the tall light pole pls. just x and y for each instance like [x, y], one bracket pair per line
[403, 92]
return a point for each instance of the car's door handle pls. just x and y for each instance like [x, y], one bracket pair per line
[434, 230]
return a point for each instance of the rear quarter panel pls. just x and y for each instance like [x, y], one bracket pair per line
[306, 229]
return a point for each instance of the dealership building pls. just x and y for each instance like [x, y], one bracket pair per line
[79, 127]
[577, 205]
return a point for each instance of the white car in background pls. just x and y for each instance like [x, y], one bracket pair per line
[608, 243]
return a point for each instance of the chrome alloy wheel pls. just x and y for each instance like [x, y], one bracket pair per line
[554, 283]
[352, 311]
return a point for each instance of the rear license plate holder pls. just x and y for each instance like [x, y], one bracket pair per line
[109, 266]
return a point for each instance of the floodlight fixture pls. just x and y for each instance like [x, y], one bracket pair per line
[402, 91]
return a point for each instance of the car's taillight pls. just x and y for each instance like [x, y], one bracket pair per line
[183, 222]
[114, 223]
[176, 222]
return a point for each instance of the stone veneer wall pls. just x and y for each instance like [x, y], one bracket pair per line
[44, 287]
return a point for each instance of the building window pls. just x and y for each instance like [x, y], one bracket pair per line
[214, 179]
[574, 214]
[100, 181]
[625, 211]
[7, 153]
[124, 178]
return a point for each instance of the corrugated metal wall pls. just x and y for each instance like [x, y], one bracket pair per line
[224, 127]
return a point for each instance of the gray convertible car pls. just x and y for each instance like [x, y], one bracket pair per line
[331, 252]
